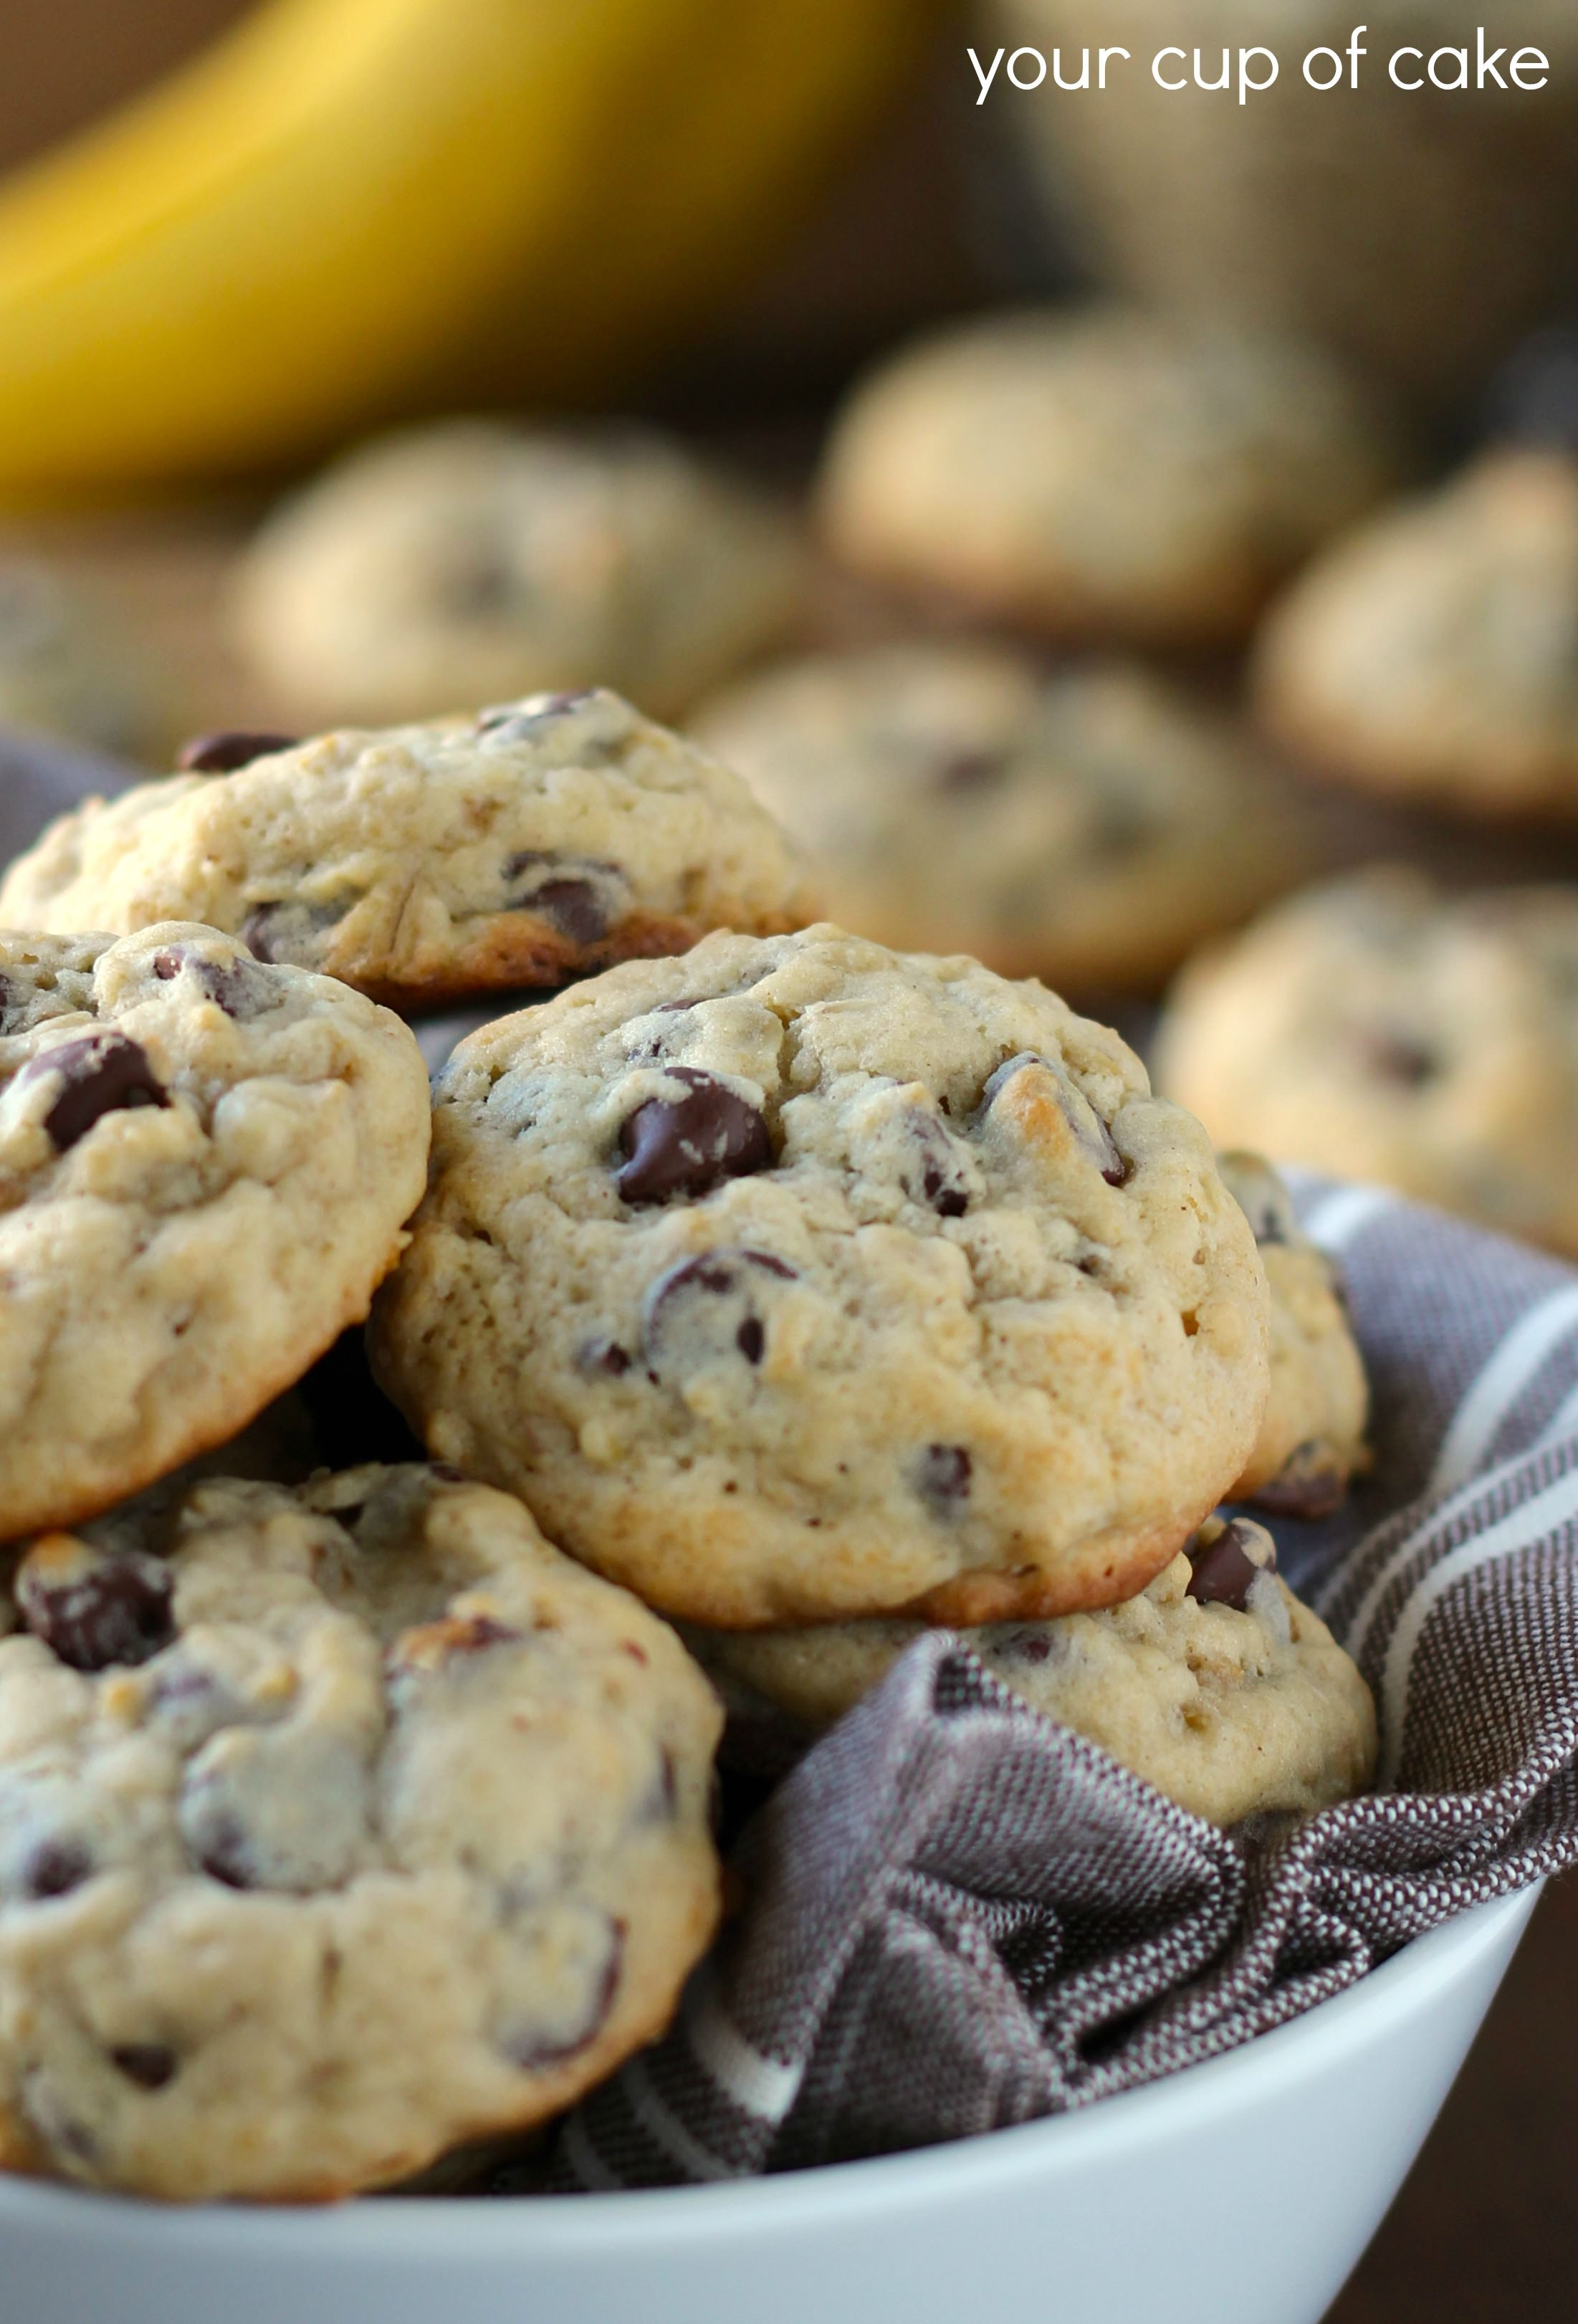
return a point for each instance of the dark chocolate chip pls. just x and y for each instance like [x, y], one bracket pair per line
[942, 1477]
[55, 1867]
[533, 2053]
[477, 1632]
[104, 1073]
[148, 2064]
[1024, 1646]
[970, 770]
[446, 1473]
[234, 985]
[224, 753]
[605, 1356]
[706, 1306]
[937, 1176]
[225, 1856]
[288, 931]
[117, 1609]
[1224, 1573]
[1392, 1056]
[571, 905]
[1309, 1484]
[690, 1146]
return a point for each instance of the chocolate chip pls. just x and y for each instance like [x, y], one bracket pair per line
[288, 930]
[224, 753]
[148, 2064]
[477, 1632]
[1224, 1573]
[690, 1146]
[573, 906]
[234, 985]
[603, 1356]
[942, 1477]
[94, 1611]
[104, 1073]
[970, 770]
[55, 1867]
[709, 1307]
[224, 1854]
[1392, 1056]
[938, 1178]
[662, 1804]
[1030, 1647]
[533, 2052]
[1309, 1484]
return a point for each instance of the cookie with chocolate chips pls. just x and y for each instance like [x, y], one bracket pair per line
[524, 846]
[1380, 1028]
[338, 1826]
[1088, 826]
[799, 1279]
[1312, 1439]
[460, 562]
[1216, 1684]
[205, 1166]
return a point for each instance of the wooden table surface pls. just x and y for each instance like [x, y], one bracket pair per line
[1486, 2228]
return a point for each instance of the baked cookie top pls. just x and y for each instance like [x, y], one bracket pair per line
[1312, 1439]
[1087, 825]
[205, 1165]
[1216, 1684]
[800, 1278]
[1100, 472]
[1380, 1028]
[471, 561]
[337, 1826]
[1436, 650]
[522, 846]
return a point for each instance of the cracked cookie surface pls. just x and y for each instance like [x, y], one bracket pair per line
[800, 1278]
[535, 842]
[1381, 1028]
[1088, 827]
[337, 1826]
[1216, 1684]
[205, 1167]
[464, 562]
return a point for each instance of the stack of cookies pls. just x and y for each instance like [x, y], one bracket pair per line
[806, 1291]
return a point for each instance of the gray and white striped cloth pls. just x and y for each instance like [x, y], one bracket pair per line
[955, 1915]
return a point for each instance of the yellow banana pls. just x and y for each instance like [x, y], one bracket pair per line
[287, 238]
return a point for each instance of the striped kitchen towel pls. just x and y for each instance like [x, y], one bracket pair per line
[957, 1915]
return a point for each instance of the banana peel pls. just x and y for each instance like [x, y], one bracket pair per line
[282, 242]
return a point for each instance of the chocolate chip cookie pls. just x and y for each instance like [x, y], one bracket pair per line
[204, 1164]
[337, 1826]
[523, 846]
[1088, 826]
[1382, 1029]
[1433, 652]
[1312, 1439]
[1216, 1684]
[800, 1278]
[1099, 472]
[460, 563]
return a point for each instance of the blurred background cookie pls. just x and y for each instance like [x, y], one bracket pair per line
[1087, 825]
[1381, 1029]
[1434, 651]
[1100, 472]
[476, 561]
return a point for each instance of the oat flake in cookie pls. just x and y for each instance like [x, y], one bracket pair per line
[800, 1278]
[1216, 1684]
[360, 1824]
[532, 842]
[205, 1166]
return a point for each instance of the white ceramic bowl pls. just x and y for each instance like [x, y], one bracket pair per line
[1240, 2192]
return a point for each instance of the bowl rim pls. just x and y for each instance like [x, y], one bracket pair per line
[386, 2228]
